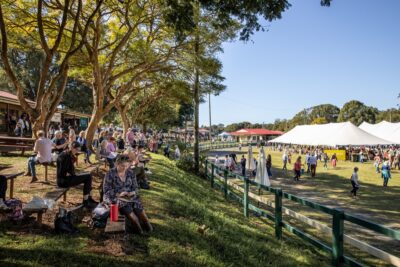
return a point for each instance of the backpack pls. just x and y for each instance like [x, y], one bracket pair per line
[63, 223]
[16, 209]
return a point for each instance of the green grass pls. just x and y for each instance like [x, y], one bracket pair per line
[178, 204]
[331, 187]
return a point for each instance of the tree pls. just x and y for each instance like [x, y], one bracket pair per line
[320, 120]
[52, 32]
[356, 112]
[329, 112]
[126, 42]
[390, 115]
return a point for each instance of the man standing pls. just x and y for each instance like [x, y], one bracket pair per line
[66, 176]
[313, 165]
[42, 149]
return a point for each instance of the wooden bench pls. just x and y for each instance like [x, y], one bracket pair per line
[115, 227]
[53, 195]
[12, 177]
[45, 165]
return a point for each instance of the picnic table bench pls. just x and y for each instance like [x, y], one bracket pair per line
[8, 143]
[11, 178]
[53, 195]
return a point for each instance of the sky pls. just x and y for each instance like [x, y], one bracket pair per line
[313, 55]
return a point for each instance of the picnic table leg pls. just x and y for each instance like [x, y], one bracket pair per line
[45, 173]
[11, 188]
[65, 196]
[40, 217]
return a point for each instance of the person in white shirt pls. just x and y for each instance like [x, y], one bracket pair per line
[177, 153]
[43, 147]
[354, 183]
[313, 164]
[227, 162]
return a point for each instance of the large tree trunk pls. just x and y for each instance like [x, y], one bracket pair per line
[92, 127]
[124, 117]
[196, 92]
[196, 113]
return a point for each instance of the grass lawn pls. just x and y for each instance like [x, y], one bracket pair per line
[179, 205]
[331, 187]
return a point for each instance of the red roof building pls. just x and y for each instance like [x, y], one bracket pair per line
[255, 135]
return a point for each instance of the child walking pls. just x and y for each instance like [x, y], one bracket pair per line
[354, 183]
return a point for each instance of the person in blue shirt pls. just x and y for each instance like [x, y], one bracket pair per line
[386, 173]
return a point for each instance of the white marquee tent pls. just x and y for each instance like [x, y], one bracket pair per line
[331, 134]
[385, 130]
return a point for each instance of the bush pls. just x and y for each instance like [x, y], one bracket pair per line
[186, 162]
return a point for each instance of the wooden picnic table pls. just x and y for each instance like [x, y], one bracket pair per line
[11, 177]
[8, 143]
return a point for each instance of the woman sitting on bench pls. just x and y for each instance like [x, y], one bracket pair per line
[120, 186]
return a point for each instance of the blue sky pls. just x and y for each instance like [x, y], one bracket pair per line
[313, 55]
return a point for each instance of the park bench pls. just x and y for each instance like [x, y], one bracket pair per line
[11, 178]
[53, 195]
[45, 165]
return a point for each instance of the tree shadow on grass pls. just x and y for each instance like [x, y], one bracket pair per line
[231, 240]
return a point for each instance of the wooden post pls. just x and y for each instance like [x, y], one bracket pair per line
[205, 168]
[226, 183]
[337, 237]
[278, 213]
[246, 197]
[11, 188]
[212, 175]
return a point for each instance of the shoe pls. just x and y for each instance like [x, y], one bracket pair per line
[34, 179]
[90, 203]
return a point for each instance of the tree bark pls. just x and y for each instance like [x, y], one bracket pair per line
[196, 108]
[92, 127]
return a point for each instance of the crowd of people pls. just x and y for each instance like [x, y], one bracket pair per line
[126, 158]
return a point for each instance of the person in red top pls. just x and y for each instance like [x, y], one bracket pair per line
[297, 169]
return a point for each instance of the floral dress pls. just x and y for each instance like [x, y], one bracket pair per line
[113, 185]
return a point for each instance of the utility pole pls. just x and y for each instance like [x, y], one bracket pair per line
[209, 113]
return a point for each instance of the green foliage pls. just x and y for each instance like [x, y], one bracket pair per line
[390, 115]
[186, 162]
[77, 97]
[356, 112]
[237, 126]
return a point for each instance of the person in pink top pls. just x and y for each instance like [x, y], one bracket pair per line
[297, 169]
[111, 145]
[43, 147]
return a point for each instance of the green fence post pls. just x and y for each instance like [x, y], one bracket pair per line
[246, 197]
[337, 237]
[212, 175]
[205, 166]
[226, 183]
[278, 213]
